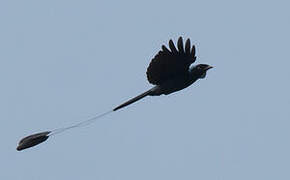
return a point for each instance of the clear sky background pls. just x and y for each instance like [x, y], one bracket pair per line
[63, 61]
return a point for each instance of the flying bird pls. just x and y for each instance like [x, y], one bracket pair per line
[170, 70]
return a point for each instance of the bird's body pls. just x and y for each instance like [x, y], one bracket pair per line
[172, 85]
[170, 71]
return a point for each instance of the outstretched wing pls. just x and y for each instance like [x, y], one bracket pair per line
[168, 64]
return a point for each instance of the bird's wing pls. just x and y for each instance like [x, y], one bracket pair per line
[168, 64]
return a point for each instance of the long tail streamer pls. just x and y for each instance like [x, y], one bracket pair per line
[35, 139]
[80, 124]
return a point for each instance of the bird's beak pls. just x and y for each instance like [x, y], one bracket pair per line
[208, 67]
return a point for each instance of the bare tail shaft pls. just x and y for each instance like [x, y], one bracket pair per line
[133, 100]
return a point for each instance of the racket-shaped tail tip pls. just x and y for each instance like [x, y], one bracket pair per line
[32, 140]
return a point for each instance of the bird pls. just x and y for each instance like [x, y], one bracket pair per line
[171, 70]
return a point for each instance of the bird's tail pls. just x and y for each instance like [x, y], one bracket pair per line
[134, 99]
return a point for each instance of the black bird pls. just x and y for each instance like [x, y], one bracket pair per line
[171, 71]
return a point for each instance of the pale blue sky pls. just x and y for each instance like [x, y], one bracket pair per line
[64, 61]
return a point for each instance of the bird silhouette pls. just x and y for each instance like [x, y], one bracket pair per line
[171, 71]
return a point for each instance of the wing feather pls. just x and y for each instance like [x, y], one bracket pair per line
[180, 45]
[187, 47]
[169, 64]
[172, 47]
[193, 51]
[165, 50]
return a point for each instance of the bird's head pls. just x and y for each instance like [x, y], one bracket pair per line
[200, 70]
